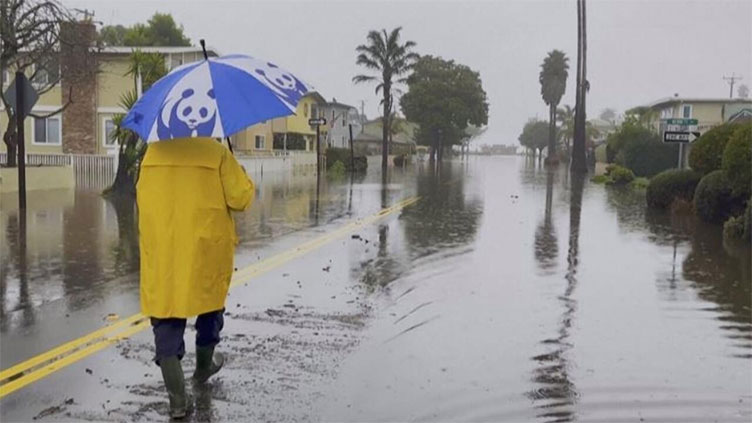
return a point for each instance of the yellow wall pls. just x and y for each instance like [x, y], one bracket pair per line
[246, 140]
[298, 122]
[112, 82]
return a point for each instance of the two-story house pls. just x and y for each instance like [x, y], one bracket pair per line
[709, 112]
[86, 122]
[340, 118]
[285, 133]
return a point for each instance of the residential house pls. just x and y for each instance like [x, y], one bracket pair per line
[85, 124]
[285, 133]
[709, 112]
[402, 139]
[340, 117]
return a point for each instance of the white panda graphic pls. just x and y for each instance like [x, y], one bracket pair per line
[192, 114]
[285, 85]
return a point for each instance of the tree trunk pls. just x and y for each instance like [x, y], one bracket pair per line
[385, 131]
[9, 138]
[579, 163]
[552, 158]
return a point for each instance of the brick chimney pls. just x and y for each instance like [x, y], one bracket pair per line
[78, 67]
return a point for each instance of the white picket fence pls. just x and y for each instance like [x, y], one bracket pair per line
[91, 170]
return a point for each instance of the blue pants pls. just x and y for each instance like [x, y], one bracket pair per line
[168, 333]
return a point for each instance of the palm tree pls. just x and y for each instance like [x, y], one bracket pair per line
[553, 80]
[579, 160]
[384, 54]
[565, 116]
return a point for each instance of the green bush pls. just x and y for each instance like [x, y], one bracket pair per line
[672, 184]
[707, 152]
[737, 161]
[733, 229]
[638, 148]
[619, 175]
[714, 201]
[600, 179]
[640, 183]
[337, 169]
[342, 155]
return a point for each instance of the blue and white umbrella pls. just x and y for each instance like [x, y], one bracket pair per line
[216, 97]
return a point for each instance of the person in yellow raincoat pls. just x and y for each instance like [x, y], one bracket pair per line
[186, 192]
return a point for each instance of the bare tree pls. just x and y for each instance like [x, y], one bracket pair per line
[30, 41]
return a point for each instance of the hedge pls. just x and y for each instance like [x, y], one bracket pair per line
[737, 161]
[334, 155]
[706, 154]
[640, 149]
[714, 201]
[619, 175]
[671, 184]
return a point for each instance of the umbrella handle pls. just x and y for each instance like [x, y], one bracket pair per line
[203, 47]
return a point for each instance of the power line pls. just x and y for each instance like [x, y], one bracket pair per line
[731, 81]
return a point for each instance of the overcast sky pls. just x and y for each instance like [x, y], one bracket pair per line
[638, 51]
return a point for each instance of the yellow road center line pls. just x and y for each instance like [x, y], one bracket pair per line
[77, 349]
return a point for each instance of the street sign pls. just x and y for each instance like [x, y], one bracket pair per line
[316, 122]
[30, 95]
[680, 136]
[682, 121]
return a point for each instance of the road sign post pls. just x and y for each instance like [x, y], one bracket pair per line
[317, 122]
[682, 131]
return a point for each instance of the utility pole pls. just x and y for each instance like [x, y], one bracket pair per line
[731, 81]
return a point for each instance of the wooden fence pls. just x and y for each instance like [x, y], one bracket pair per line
[91, 171]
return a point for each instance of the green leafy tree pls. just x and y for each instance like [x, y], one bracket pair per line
[392, 60]
[444, 98]
[113, 35]
[565, 116]
[553, 80]
[534, 135]
[160, 30]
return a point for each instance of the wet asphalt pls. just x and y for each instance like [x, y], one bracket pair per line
[506, 293]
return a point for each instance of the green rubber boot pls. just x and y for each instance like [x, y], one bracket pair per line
[207, 363]
[172, 373]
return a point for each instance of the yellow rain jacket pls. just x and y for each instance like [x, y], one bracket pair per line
[185, 193]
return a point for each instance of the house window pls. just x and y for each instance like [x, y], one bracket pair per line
[344, 118]
[314, 111]
[687, 111]
[47, 130]
[332, 115]
[666, 113]
[109, 131]
[6, 77]
[260, 142]
[305, 109]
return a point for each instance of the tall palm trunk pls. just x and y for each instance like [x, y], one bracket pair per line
[579, 163]
[385, 127]
[552, 157]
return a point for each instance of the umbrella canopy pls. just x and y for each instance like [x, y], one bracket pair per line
[216, 97]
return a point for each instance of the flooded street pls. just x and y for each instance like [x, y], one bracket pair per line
[504, 293]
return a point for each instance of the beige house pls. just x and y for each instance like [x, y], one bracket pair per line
[709, 112]
[83, 127]
[290, 132]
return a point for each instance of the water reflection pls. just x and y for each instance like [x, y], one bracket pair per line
[445, 217]
[557, 394]
[546, 244]
[441, 224]
[702, 265]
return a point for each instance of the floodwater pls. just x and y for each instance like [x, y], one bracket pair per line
[506, 293]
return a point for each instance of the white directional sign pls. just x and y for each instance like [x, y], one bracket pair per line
[680, 136]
